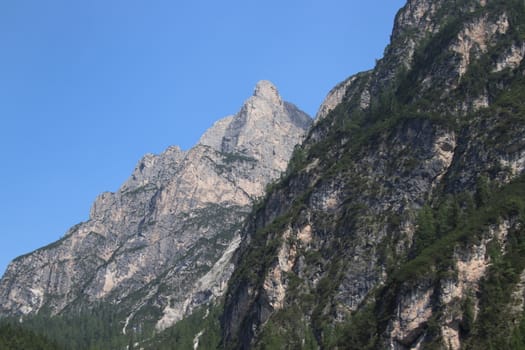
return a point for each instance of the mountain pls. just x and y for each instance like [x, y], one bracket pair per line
[160, 246]
[399, 222]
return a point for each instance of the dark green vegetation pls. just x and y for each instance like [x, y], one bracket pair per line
[15, 337]
[95, 328]
[99, 328]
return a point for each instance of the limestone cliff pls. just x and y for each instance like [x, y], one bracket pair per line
[160, 245]
[399, 223]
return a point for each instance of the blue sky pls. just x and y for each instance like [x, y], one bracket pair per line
[88, 87]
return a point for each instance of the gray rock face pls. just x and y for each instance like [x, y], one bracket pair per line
[334, 98]
[164, 239]
[332, 251]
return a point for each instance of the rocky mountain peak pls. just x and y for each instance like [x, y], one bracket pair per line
[266, 89]
[259, 129]
[163, 241]
[259, 114]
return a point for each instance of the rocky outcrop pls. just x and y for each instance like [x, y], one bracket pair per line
[386, 229]
[163, 241]
[417, 305]
[334, 98]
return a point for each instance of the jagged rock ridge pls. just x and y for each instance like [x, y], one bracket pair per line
[162, 242]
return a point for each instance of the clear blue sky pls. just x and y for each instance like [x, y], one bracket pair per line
[88, 87]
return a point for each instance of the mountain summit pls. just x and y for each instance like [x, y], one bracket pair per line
[159, 246]
[259, 130]
[266, 90]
